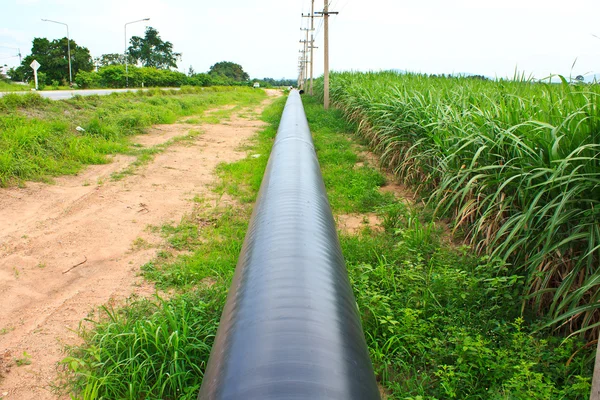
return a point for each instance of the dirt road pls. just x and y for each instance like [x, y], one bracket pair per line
[69, 247]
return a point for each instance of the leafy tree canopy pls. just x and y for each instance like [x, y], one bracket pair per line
[54, 61]
[278, 82]
[111, 59]
[151, 51]
[230, 70]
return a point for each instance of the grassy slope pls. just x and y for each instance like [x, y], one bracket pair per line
[438, 323]
[39, 139]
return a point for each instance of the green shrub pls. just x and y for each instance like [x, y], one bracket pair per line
[91, 79]
[41, 81]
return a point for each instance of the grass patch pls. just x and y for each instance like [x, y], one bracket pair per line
[140, 244]
[12, 87]
[39, 139]
[217, 116]
[209, 242]
[146, 155]
[242, 179]
[349, 188]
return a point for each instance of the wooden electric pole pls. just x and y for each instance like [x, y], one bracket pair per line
[305, 57]
[306, 46]
[326, 14]
[303, 60]
[312, 44]
[312, 47]
[300, 69]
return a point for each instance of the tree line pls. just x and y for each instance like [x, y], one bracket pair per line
[150, 62]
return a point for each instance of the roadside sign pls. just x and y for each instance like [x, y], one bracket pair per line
[35, 65]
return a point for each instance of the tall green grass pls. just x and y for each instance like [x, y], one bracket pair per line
[515, 165]
[148, 349]
[39, 139]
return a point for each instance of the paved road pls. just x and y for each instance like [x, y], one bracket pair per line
[67, 94]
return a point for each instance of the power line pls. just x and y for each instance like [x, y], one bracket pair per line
[344, 6]
[319, 29]
[16, 55]
[333, 5]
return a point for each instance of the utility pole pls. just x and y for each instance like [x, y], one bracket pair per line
[326, 14]
[301, 62]
[312, 47]
[300, 71]
[305, 60]
[326, 56]
[306, 46]
[305, 57]
[68, 48]
[312, 43]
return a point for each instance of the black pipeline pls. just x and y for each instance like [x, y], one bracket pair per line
[290, 328]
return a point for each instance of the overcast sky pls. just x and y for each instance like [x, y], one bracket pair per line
[489, 37]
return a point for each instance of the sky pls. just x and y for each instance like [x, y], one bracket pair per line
[487, 37]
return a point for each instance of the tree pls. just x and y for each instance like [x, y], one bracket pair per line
[277, 82]
[191, 71]
[112, 59]
[16, 74]
[230, 70]
[151, 51]
[3, 73]
[54, 61]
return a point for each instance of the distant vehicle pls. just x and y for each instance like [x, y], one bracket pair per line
[256, 84]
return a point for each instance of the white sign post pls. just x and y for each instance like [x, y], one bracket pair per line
[35, 65]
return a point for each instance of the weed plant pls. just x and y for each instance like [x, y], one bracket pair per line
[39, 138]
[440, 322]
